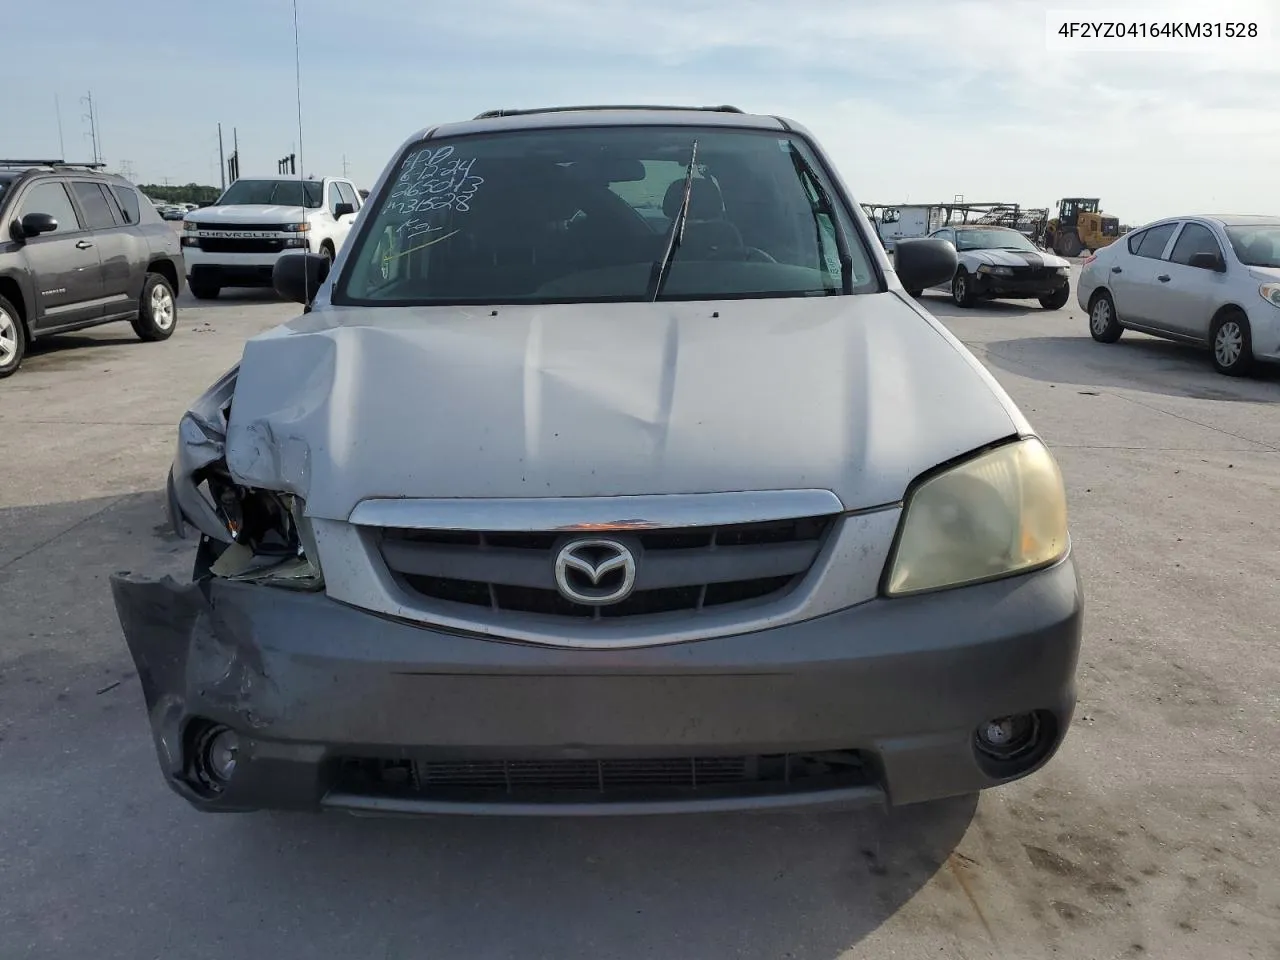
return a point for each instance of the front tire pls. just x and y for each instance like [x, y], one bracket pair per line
[1056, 301]
[204, 290]
[1103, 324]
[1231, 341]
[158, 312]
[13, 339]
[962, 289]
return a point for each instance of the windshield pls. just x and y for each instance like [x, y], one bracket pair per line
[285, 193]
[994, 239]
[583, 215]
[4, 185]
[1256, 245]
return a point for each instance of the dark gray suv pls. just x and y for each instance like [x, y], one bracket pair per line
[80, 247]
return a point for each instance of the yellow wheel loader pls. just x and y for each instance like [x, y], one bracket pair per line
[1080, 225]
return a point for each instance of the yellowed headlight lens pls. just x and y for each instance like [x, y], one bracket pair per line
[1001, 513]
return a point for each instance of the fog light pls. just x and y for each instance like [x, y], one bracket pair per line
[222, 755]
[213, 753]
[1005, 737]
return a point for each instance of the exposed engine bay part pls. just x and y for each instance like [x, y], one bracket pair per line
[247, 533]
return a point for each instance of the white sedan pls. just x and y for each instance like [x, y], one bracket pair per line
[1209, 281]
[998, 263]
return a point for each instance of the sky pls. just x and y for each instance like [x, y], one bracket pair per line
[915, 100]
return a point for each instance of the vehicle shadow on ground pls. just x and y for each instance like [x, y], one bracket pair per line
[940, 305]
[746, 885]
[232, 297]
[1136, 362]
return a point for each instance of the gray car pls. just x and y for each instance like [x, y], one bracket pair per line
[545, 506]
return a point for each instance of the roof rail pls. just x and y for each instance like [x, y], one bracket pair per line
[490, 114]
[89, 165]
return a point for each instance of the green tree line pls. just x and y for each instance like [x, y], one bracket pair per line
[190, 193]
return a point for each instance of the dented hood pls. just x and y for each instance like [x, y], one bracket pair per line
[857, 395]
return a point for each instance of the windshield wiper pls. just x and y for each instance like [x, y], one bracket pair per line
[661, 268]
[806, 171]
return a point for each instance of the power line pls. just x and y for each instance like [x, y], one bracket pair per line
[57, 109]
[92, 117]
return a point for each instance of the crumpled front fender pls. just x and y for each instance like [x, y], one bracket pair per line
[202, 440]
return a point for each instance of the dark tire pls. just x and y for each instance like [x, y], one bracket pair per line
[1104, 326]
[1231, 344]
[962, 288]
[158, 311]
[13, 339]
[1056, 301]
[204, 290]
[327, 252]
[917, 294]
[1068, 244]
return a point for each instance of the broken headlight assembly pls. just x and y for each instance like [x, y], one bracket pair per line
[271, 540]
[247, 533]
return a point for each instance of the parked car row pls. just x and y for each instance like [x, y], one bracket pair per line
[1209, 281]
[81, 247]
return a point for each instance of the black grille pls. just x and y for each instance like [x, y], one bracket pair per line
[1110, 227]
[240, 245]
[685, 569]
[593, 780]
[1033, 273]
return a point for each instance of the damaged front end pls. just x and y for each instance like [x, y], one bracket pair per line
[203, 674]
[247, 533]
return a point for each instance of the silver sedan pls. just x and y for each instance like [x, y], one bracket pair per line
[1208, 280]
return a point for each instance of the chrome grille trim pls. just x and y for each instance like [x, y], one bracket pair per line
[586, 514]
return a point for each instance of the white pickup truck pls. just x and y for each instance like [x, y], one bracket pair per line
[235, 242]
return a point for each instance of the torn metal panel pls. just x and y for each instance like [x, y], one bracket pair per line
[202, 435]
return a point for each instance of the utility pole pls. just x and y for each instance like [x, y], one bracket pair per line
[344, 164]
[93, 125]
[62, 147]
[126, 169]
[222, 163]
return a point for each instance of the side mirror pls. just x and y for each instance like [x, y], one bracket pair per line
[342, 209]
[297, 276]
[1208, 261]
[924, 262]
[34, 224]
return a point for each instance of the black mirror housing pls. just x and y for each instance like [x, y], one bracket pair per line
[34, 224]
[1208, 261]
[342, 209]
[297, 276]
[924, 262]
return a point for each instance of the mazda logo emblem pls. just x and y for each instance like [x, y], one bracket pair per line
[595, 572]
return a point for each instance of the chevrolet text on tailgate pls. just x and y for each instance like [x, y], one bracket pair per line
[609, 469]
[236, 241]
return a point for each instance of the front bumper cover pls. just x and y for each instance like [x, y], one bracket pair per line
[309, 685]
[994, 285]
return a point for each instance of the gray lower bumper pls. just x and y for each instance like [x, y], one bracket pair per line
[304, 680]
